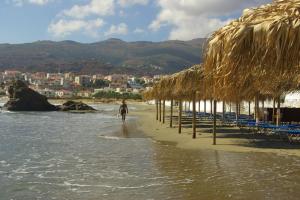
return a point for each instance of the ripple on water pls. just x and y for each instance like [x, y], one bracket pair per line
[65, 156]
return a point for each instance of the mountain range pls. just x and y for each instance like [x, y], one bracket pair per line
[109, 56]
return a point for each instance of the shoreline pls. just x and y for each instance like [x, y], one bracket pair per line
[94, 101]
[229, 139]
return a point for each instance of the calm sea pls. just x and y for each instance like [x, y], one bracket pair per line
[94, 156]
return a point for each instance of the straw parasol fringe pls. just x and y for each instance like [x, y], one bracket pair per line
[259, 47]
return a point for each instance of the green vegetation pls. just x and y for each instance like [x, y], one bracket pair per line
[100, 84]
[140, 81]
[116, 95]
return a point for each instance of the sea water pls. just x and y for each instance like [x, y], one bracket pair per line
[57, 155]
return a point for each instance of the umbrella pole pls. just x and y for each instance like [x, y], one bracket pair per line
[278, 113]
[171, 117]
[211, 107]
[164, 111]
[263, 109]
[237, 114]
[215, 123]
[199, 106]
[156, 102]
[274, 105]
[249, 107]
[204, 106]
[160, 110]
[180, 116]
[194, 116]
[223, 111]
[257, 110]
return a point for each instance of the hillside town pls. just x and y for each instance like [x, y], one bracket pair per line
[71, 85]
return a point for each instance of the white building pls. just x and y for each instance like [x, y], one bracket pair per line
[83, 80]
[65, 94]
[84, 94]
[65, 83]
[47, 92]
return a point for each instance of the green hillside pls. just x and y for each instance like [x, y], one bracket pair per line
[110, 56]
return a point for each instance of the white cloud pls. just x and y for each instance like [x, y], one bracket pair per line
[63, 28]
[139, 31]
[120, 29]
[36, 2]
[197, 18]
[39, 2]
[94, 7]
[127, 3]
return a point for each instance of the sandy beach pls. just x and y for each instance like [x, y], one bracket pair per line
[229, 139]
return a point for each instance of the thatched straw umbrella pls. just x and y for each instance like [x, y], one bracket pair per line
[247, 55]
[166, 91]
[150, 95]
[189, 85]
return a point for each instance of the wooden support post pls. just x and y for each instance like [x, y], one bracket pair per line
[171, 115]
[180, 116]
[215, 123]
[164, 111]
[156, 102]
[199, 106]
[230, 108]
[249, 109]
[204, 106]
[278, 119]
[237, 113]
[263, 109]
[257, 110]
[194, 116]
[223, 110]
[211, 106]
[160, 110]
[273, 116]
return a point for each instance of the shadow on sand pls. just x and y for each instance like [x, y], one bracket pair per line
[254, 140]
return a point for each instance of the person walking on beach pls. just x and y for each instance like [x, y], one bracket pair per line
[123, 110]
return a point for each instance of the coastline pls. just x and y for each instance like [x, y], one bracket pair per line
[94, 101]
[230, 139]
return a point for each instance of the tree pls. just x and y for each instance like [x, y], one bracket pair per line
[99, 83]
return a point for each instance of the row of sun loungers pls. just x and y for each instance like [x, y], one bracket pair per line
[291, 132]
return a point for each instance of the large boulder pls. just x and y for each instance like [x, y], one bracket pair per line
[75, 106]
[22, 98]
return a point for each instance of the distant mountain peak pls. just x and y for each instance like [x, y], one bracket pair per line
[114, 40]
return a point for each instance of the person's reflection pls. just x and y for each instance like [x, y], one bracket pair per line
[125, 131]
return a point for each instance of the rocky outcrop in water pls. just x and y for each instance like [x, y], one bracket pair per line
[75, 106]
[23, 98]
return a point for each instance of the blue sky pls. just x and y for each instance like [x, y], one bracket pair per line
[131, 20]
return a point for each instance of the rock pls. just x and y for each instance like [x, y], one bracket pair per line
[22, 98]
[75, 106]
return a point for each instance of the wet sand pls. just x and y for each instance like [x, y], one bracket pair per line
[229, 139]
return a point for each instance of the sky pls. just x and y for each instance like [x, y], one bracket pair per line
[89, 21]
